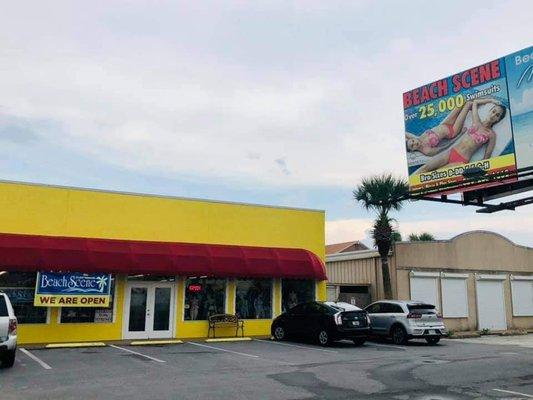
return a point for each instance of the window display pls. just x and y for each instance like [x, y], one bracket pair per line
[204, 297]
[20, 288]
[254, 298]
[90, 314]
[296, 291]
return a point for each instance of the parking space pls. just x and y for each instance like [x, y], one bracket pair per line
[273, 370]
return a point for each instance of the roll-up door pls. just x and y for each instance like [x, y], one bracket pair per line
[491, 302]
[454, 295]
[522, 292]
[424, 287]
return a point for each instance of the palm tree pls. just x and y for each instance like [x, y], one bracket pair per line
[423, 237]
[381, 194]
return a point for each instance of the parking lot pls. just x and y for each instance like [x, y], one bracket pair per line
[262, 369]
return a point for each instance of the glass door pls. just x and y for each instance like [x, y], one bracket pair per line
[149, 310]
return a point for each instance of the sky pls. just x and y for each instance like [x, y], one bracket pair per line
[285, 103]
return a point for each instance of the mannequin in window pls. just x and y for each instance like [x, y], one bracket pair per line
[194, 306]
[259, 307]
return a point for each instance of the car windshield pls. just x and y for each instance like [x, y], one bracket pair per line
[421, 308]
[333, 308]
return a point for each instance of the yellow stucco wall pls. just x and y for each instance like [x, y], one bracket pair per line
[57, 211]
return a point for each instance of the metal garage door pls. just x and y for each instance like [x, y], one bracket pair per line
[424, 287]
[490, 302]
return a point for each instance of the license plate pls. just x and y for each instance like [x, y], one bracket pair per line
[355, 323]
[431, 332]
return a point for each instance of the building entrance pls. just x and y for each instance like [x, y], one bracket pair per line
[149, 310]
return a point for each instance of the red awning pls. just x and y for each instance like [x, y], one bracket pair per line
[51, 253]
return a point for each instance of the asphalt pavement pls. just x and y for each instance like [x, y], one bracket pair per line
[262, 369]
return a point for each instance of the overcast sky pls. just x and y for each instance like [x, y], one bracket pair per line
[285, 103]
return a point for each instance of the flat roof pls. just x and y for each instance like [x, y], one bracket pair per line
[159, 196]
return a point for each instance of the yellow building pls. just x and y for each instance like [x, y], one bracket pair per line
[173, 261]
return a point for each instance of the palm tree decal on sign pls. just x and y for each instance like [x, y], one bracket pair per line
[101, 281]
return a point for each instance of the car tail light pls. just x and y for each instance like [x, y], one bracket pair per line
[413, 315]
[12, 330]
[439, 316]
[338, 318]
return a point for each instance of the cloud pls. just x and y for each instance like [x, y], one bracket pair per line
[347, 230]
[514, 225]
[221, 91]
[282, 164]
[132, 91]
[17, 131]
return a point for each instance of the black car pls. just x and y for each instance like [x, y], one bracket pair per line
[323, 323]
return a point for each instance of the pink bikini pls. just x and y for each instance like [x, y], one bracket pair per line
[433, 138]
[479, 135]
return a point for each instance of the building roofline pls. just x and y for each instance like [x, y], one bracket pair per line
[466, 234]
[160, 196]
[352, 255]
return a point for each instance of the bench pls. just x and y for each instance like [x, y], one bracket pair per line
[225, 320]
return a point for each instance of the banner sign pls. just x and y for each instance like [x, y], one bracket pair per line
[479, 120]
[72, 290]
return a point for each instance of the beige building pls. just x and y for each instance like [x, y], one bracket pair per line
[478, 280]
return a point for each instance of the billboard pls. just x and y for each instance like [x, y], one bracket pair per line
[72, 290]
[479, 121]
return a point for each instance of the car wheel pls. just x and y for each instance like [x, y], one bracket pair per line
[323, 337]
[399, 335]
[359, 341]
[279, 332]
[9, 359]
[433, 339]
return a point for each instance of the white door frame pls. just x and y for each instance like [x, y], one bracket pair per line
[149, 333]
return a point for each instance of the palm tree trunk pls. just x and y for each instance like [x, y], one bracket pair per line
[387, 289]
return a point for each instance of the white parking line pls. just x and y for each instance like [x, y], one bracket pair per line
[221, 349]
[517, 393]
[295, 345]
[139, 354]
[35, 358]
[385, 345]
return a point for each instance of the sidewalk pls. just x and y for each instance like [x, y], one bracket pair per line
[522, 340]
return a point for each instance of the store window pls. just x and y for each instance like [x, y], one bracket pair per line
[20, 288]
[204, 297]
[70, 315]
[254, 298]
[295, 291]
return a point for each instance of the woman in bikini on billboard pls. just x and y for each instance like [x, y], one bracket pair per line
[478, 135]
[430, 142]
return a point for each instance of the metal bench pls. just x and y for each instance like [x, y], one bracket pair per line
[225, 320]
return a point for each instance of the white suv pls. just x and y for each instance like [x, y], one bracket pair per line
[8, 332]
[404, 320]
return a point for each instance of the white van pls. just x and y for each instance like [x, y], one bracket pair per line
[8, 332]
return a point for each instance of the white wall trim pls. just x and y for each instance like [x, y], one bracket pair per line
[492, 277]
[521, 277]
[424, 274]
[454, 275]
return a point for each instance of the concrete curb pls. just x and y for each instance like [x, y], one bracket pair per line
[74, 345]
[241, 339]
[154, 342]
[464, 335]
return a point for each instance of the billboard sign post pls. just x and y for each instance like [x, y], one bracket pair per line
[476, 122]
